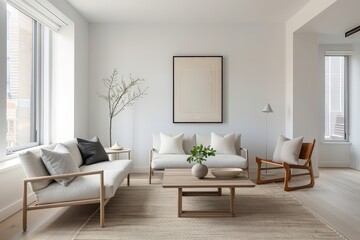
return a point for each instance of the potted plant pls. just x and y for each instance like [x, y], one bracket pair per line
[199, 154]
[119, 95]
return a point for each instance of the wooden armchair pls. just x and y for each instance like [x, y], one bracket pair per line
[305, 155]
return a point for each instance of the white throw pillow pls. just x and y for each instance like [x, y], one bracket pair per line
[288, 150]
[223, 144]
[34, 167]
[59, 161]
[171, 144]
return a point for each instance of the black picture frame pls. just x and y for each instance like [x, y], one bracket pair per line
[197, 89]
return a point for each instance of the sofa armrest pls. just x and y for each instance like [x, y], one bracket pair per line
[42, 178]
[150, 161]
[151, 154]
[37, 179]
[246, 155]
[245, 151]
[100, 200]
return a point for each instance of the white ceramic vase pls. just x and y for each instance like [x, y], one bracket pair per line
[199, 170]
[116, 146]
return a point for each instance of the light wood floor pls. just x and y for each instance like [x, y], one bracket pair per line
[335, 199]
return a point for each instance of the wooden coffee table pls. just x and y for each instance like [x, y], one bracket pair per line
[182, 178]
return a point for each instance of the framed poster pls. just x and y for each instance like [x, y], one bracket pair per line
[197, 89]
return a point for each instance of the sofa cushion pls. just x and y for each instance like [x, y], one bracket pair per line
[226, 161]
[160, 162]
[188, 142]
[171, 144]
[205, 140]
[34, 167]
[223, 144]
[74, 150]
[92, 151]
[85, 187]
[171, 161]
[59, 161]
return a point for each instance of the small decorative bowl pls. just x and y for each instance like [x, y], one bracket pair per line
[226, 172]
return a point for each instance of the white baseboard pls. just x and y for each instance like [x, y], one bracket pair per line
[15, 207]
[334, 164]
[140, 169]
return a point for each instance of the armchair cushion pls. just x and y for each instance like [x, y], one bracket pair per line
[59, 161]
[288, 150]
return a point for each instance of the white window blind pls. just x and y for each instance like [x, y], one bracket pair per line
[43, 12]
[339, 53]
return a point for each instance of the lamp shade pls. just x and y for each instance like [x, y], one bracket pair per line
[267, 109]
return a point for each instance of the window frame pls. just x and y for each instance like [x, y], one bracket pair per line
[346, 55]
[36, 93]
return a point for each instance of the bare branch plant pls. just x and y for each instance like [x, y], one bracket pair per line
[120, 94]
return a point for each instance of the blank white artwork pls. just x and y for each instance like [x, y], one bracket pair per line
[198, 89]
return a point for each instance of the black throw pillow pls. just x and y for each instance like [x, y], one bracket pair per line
[92, 151]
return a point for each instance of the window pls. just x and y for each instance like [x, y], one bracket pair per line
[30, 26]
[23, 93]
[336, 98]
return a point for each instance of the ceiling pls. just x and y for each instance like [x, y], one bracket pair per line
[332, 23]
[187, 11]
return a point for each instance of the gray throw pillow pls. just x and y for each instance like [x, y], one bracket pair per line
[59, 161]
[288, 150]
[92, 151]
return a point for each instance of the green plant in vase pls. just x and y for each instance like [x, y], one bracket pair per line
[199, 154]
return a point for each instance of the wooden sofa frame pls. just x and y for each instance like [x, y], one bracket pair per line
[101, 200]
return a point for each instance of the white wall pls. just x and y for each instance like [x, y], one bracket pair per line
[305, 92]
[253, 76]
[62, 81]
[11, 186]
[354, 108]
[306, 14]
[79, 70]
[302, 77]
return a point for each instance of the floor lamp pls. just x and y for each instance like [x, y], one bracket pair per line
[267, 109]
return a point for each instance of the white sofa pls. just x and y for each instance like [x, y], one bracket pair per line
[159, 162]
[95, 183]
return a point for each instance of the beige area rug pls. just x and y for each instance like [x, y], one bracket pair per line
[145, 211]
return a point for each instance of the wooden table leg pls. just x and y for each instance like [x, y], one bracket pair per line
[232, 201]
[179, 202]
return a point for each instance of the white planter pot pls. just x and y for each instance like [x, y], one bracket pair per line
[199, 170]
